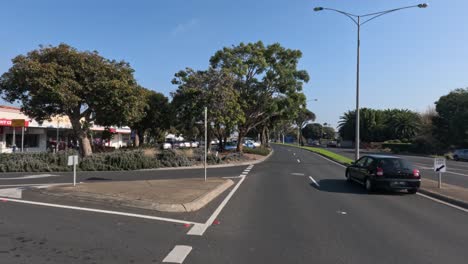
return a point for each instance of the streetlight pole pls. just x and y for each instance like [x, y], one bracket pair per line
[357, 20]
[206, 137]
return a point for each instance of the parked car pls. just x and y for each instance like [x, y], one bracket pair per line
[460, 154]
[249, 144]
[230, 146]
[166, 145]
[332, 144]
[384, 172]
[195, 144]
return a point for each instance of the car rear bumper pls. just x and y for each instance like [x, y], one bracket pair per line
[396, 184]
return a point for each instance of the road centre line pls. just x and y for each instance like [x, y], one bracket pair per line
[420, 194]
[312, 179]
[297, 174]
[199, 229]
[298, 161]
[177, 254]
[100, 211]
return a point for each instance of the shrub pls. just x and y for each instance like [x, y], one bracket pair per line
[172, 158]
[258, 151]
[119, 160]
[211, 158]
[398, 147]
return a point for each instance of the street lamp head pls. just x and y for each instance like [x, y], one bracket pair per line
[318, 9]
[424, 5]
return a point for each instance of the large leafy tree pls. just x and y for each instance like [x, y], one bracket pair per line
[156, 117]
[451, 121]
[262, 73]
[403, 124]
[304, 117]
[84, 86]
[212, 89]
[313, 131]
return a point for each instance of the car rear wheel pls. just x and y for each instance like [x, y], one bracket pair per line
[348, 176]
[369, 186]
[412, 191]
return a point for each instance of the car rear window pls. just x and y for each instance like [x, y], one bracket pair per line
[394, 164]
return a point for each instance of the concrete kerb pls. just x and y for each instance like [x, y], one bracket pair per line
[194, 205]
[214, 166]
[422, 190]
[445, 198]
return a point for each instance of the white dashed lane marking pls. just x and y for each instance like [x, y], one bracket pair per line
[178, 254]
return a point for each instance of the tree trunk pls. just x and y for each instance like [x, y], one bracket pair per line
[82, 135]
[240, 139]
[263, 136]
[85, 145]
[267, 134]
[136, 139]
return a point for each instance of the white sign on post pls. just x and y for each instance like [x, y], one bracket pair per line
[440, 165]
[73, 161]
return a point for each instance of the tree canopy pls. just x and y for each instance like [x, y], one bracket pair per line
[262, 74]
[82, 85]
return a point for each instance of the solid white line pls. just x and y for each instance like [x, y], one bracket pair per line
[178, 254]
[312, 179]
[298, 161]
[12, 193]
[442, 202]
[199, 229]
[423, 195]
[297, 174]
[100, 211]
[329, 160]
[34, 184]
[30, 177]
[232, 177]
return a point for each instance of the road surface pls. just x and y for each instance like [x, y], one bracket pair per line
[293, 208]
[457, 171]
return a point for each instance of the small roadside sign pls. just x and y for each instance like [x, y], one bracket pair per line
[73, 161]
[440, 165]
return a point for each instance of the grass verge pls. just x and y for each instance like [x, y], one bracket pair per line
[326, 153]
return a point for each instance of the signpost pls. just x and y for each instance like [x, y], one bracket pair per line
[73, 161]
[440, 166]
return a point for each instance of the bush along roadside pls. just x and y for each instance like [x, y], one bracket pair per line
[129, 159]
[258, 151]
[328, 154]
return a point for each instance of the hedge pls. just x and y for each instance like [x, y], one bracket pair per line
[258, 151]
[399, 147]
[130, 159]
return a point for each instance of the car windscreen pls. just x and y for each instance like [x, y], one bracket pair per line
[391, 164]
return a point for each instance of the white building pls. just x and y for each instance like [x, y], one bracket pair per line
[39, 137]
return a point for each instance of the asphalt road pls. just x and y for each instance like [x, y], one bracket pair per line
[277, 215]
[457, 171]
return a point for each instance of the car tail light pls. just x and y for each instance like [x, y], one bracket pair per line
[379, 172]
[416, 173]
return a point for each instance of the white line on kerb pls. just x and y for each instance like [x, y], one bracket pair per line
[199, 229]
[101, 211]
[312, 179]
[420, 194]
[442, 202]
[178, 254]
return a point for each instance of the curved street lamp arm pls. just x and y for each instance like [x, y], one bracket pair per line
[388, 11]
[351, 16]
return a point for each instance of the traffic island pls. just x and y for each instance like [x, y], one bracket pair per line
[448, 193]
[173, 195]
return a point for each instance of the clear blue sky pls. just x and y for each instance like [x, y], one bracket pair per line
[408, 59]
